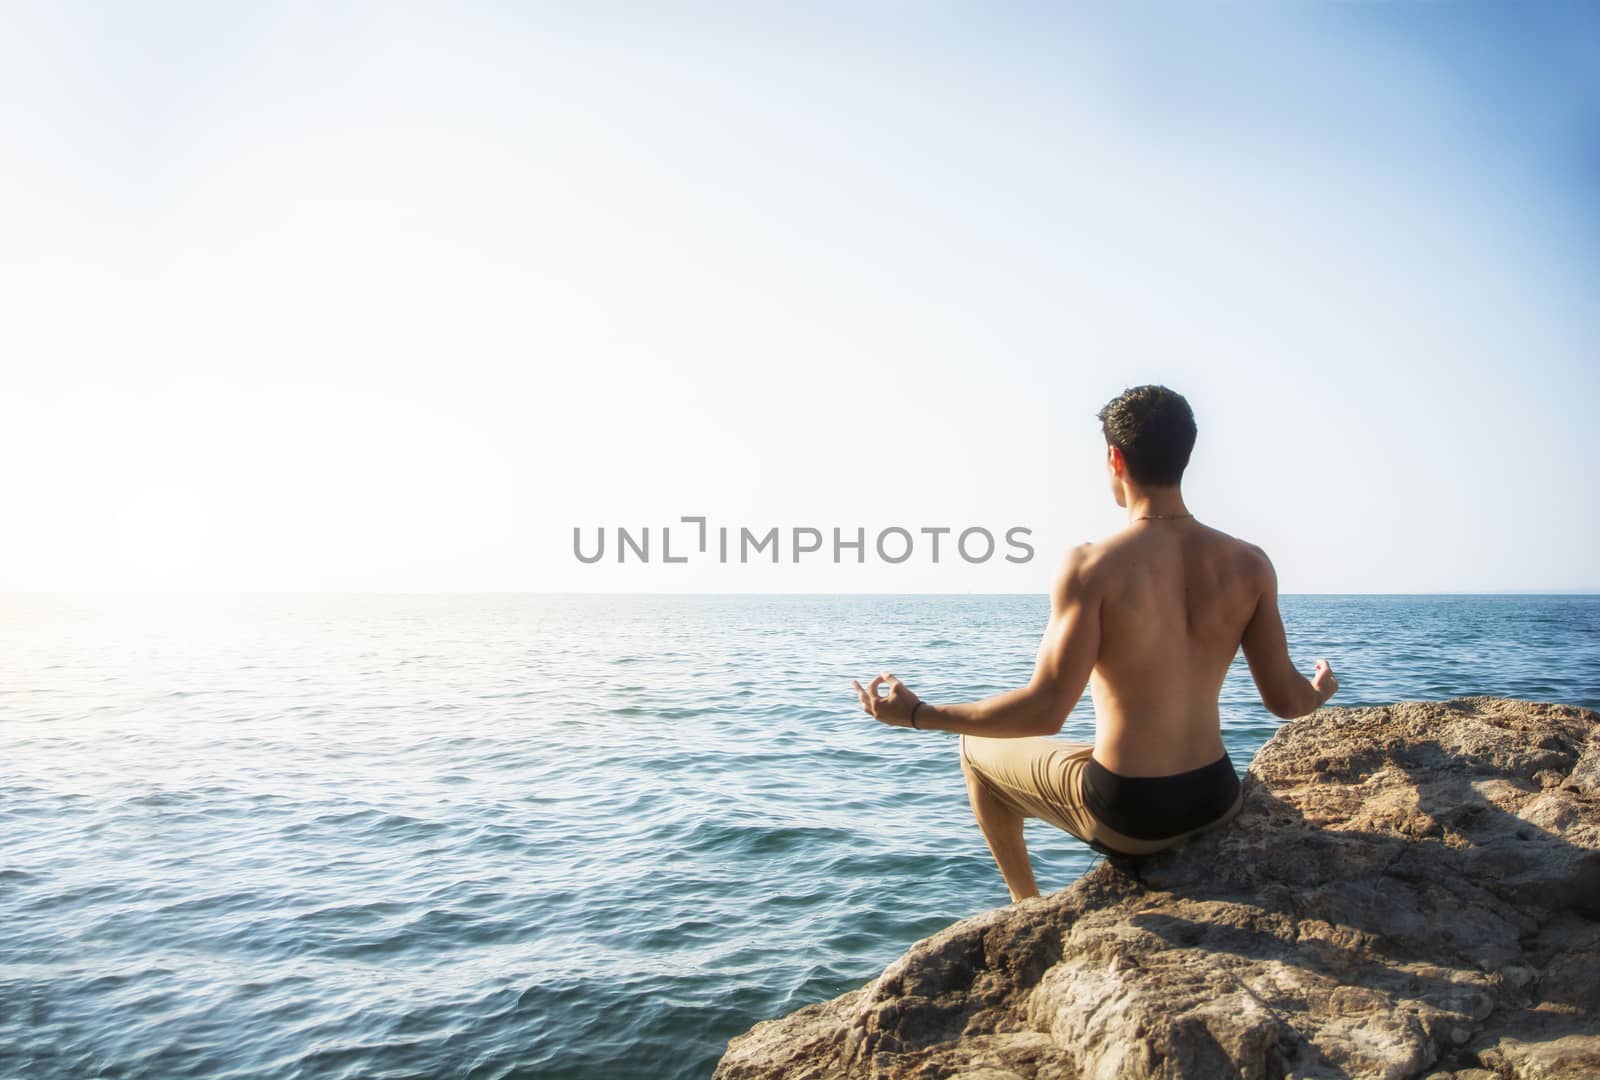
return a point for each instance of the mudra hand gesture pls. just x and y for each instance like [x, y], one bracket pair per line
[895, 707]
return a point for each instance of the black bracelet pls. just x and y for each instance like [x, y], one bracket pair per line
[914, 709]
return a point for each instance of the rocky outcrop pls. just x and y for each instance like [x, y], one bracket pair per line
[1409, 891]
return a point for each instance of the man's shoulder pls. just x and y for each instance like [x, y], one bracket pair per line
[1252, 555]
[1249, 565]
[1080, 557]
[1080, 568]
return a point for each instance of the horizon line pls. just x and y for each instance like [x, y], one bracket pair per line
[685, 592]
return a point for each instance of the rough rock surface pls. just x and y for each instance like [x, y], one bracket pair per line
[1411, 890]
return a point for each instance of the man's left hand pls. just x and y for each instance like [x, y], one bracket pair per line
[893, 708]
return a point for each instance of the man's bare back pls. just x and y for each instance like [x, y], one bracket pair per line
[1175, 597]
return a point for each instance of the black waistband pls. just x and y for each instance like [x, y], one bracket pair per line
[1156, 807]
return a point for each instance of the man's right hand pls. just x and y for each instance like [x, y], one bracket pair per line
[1323, 682]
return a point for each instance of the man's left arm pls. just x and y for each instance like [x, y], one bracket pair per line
[1066, 658]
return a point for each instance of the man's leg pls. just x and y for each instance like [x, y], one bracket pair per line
[1002, 828]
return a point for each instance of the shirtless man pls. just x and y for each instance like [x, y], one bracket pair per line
[1150, 619]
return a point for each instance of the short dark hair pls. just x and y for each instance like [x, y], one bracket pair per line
[1154, 429]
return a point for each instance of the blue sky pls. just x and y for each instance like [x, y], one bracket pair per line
[394, 297]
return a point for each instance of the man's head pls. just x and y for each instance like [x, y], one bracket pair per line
[1149, 434]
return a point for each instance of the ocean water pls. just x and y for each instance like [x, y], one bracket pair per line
[540, 836]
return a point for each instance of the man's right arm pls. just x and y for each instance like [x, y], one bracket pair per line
[1284, 691]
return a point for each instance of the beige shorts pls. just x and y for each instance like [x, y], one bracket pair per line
[1044, 778]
